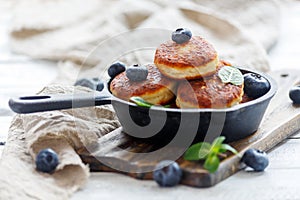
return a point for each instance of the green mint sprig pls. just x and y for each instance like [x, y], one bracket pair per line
[209, 152]
[141, 102]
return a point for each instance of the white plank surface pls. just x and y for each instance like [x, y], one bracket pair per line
[279, 181]
[20, 75]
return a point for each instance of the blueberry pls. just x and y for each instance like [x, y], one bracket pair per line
[255, 85]
[167, 173]
[181, 35]
[116, 69]
[46, 161]
[94, 83]
[84, 82]
[295, 94]
[137, 73]
[100, 85]
[256, 159]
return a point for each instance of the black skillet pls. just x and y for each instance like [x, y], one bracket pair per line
[159, 123]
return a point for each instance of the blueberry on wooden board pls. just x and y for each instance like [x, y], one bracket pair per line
[46, 161]
[181, 35]
[137, 73]
[116, 68]
[255, 159]
[294, 94]
[167, 173]
[255, 85]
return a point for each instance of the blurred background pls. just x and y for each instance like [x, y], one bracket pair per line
[49, 41]
[45, 42]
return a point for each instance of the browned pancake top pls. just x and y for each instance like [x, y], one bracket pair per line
[196, 52]
[209, 92]
[123, 88]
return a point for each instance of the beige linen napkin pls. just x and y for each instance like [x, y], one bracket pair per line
[64, 131]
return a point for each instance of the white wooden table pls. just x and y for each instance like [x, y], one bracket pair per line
[279, 181]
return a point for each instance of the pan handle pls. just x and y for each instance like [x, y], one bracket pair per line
[38, 103]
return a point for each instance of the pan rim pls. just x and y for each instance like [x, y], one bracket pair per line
[272, 91]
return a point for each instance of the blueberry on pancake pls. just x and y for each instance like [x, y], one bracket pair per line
[155, 89]
[193, 59]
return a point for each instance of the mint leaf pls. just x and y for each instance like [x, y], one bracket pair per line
[212, 163]
[140, 102]
[218, 141]
[204, 150]
[227, 147]
[230, 74]
[216, 145]
[197, 151]
[209, 152]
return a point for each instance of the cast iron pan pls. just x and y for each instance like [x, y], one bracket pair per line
[159, 123]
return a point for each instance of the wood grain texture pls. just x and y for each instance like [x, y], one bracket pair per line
[281, 120]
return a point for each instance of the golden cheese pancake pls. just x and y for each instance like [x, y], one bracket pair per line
[191, 60]
[156, 89]
[208, 92]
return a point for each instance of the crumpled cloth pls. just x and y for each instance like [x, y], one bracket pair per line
[69, 31]
[64, 131]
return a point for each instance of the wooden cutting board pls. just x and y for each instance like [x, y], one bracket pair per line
[281, 120]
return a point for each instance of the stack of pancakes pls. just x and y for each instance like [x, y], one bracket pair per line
[187, 72]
